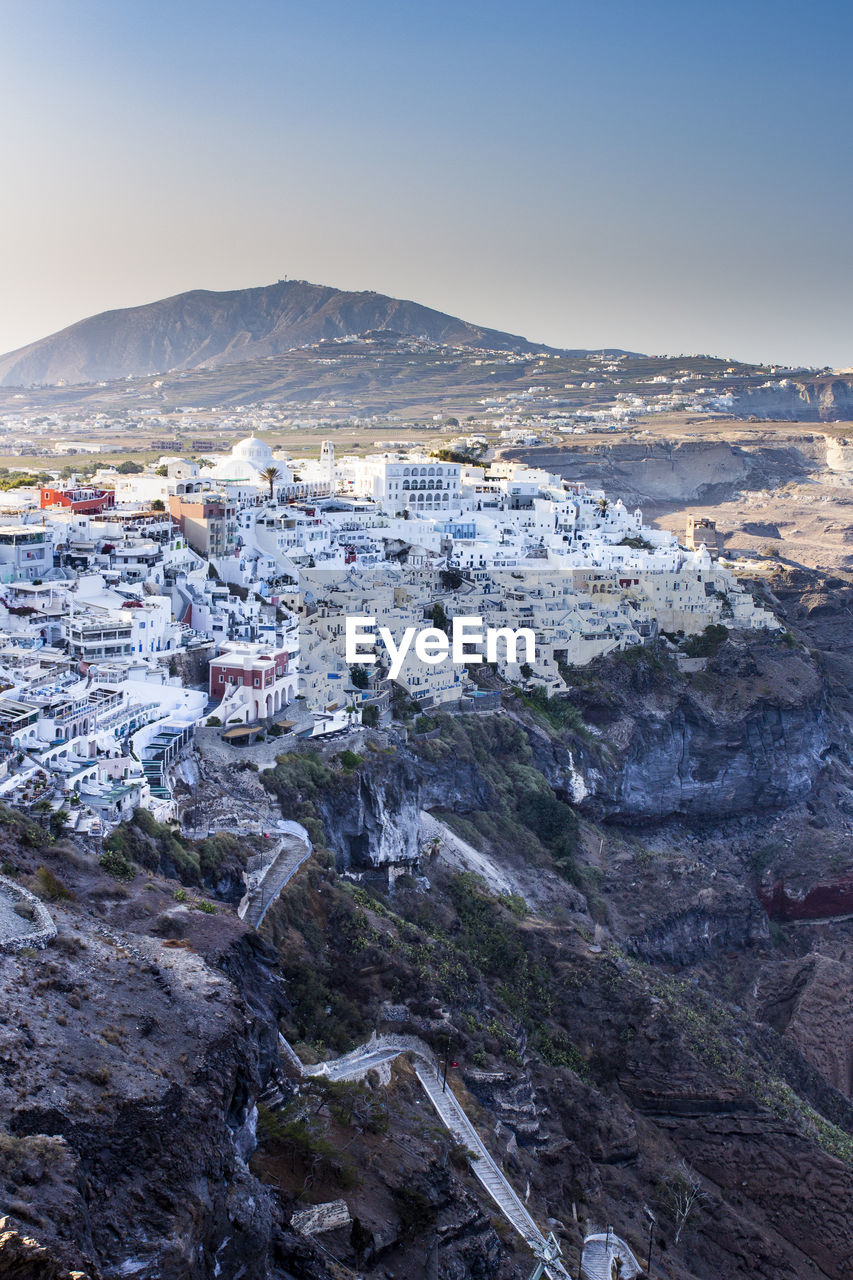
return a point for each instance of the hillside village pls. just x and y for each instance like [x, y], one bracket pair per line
[138, 607]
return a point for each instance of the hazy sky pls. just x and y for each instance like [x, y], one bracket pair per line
[658, 176]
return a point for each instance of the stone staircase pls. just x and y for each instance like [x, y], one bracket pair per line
[483, 1166]
[266, 883]
[384, 1049]
[600, 1251]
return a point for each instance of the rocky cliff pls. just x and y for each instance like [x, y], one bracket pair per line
[826, 398]
[131, 1054]
[746, 734]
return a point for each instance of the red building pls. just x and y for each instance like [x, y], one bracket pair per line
[86, 500]
[253, 680]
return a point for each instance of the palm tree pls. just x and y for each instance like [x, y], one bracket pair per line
[271, 474]
[603, 504]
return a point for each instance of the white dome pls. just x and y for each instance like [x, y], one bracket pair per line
[253, 450]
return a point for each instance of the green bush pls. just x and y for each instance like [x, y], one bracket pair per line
[217, 848]
[555, 823]
[117, 865]
[558, 712]
[51, 886]
[707, 644]
[155, 846]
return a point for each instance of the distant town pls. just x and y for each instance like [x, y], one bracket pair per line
[142, 604]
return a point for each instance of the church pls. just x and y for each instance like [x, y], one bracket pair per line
[244, 467]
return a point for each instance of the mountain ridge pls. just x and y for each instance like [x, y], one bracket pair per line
[205, 327]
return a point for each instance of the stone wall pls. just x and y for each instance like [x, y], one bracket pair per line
[41, 930]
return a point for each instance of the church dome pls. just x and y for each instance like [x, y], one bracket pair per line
[253, 450]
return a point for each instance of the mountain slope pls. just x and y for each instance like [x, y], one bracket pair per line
[207, 328]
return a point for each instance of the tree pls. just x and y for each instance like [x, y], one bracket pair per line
[129, 468]
[358, 676]
[161, 471]
[271, 474]
[158, 505]
[56, 822]
[683, 1195]
[439, 616]
[603, 506]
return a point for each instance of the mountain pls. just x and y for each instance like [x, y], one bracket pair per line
[207, 328]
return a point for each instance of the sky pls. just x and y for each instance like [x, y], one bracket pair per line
[663, 177]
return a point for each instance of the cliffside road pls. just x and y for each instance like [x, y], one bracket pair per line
[599, 1254]
[355, 1066]
[381, 1050]
[266, 882]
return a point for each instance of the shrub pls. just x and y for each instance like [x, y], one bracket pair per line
[350, 759]
[415, 1210]
[217, 848]
[213, 722]
[555, 823]
[207, 907]
[706, 645]
[51, 885]
[459, 1155]
[56, 822]
[558, 712]
[117, 865]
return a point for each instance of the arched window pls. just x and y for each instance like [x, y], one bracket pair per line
[430, 484]
[438, 484]
[405, 484]
[405, 473]
[431, 471]
[423, 471]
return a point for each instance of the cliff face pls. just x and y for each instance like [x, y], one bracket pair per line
[688, 765]
[131, 1053]
[375, 821]
[685, 470]
[822, 399]
[742, 736]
